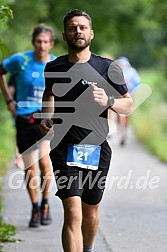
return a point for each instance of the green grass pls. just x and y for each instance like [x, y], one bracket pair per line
[7, 147]
[7, 231]
[150, 120]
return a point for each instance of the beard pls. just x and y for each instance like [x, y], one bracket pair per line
[78, 45]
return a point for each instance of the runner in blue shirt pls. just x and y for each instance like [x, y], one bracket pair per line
[132, 80]
[28, 68]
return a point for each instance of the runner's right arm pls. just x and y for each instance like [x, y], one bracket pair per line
[6, 93]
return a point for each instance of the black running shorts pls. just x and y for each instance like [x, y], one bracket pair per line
[27, 133]
[87, 184]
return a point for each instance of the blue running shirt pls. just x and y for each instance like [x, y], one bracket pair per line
[30, 82]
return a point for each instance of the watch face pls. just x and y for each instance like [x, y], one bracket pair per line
[111, 101]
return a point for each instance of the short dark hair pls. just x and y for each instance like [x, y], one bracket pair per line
[42, 28]
[75, 12]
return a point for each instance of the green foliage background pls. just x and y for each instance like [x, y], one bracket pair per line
[7, 131]
[149, 120]
[136, 29]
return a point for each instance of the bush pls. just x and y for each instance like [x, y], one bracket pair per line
[149, 120]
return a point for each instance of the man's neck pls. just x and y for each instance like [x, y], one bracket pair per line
[39, 58]
[79, 57]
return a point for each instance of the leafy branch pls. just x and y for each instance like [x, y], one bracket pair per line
[5, 13]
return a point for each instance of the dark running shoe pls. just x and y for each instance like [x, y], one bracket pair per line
[35, 218]
[45, 215]
[123, 141]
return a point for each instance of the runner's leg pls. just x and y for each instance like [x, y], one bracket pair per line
[45, 167]
[71, 233]
[90, 223]
[31, 179]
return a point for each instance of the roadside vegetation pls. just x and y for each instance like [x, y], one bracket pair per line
[149, 120]
[7, 137]
[7, 231]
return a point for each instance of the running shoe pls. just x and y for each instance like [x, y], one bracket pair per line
[45, 215]
[35, 218]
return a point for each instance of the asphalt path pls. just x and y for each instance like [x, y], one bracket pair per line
[133, 213]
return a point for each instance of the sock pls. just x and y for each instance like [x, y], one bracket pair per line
[35, 206]
[44, 201]
[86, 249]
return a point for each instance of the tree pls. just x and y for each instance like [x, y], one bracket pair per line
[136, 29]
[5, 14]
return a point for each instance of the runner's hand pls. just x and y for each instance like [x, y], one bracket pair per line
[12, 108]
[99, 95]
[46, 126]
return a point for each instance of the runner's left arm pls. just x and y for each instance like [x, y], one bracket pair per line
[47, 112]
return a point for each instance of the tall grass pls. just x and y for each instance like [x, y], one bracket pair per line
[7, 141]
[7, 146]
[150, 119]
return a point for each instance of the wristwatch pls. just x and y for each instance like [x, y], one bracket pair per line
[111, 101]
[9, 101]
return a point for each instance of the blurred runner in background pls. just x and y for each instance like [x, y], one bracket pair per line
[28, 68]
[132, 80]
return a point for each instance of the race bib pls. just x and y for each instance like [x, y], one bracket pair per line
[84, 156]
[35, 93]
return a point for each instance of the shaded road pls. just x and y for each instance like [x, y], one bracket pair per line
[133, 215]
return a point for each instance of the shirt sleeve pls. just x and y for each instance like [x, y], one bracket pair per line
[13, 64]
[116, 80]
[48, 81]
